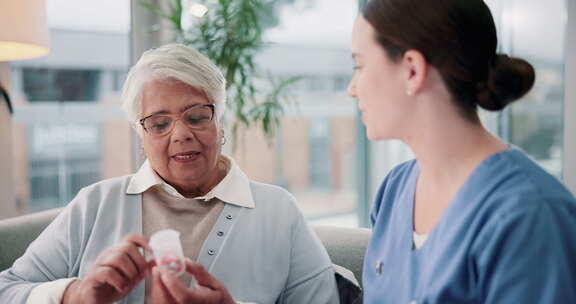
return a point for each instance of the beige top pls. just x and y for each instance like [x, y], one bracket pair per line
[193, 218]
[163, 207]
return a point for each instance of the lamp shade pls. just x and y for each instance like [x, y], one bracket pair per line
[23, 29]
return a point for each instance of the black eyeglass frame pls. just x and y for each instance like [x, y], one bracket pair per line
[211, 106]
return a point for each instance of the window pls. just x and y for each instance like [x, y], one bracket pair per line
[314, 154]
[62, 159]
[45, 84]
[341, 82]
[320, 154]
[535, 31]
[69, 130]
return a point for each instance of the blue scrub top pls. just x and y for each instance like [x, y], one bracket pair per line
[508, 236]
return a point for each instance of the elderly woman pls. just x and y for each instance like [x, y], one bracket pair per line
[248, 241]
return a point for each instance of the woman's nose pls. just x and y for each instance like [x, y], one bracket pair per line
[351, 90]
[181, 132]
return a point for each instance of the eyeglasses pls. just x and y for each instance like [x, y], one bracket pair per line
[197, 117]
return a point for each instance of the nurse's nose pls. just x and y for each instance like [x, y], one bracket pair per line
[351, 90]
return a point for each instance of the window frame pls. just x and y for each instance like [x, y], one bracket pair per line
[569, 163]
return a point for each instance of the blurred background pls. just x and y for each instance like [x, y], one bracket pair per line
[69, 131]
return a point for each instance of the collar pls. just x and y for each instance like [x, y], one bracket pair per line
[233, 189]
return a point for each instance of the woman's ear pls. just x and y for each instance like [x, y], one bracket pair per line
[222, 136]
[416, 69]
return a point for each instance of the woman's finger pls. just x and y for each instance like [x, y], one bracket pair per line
[110, 276]
[175, 287]
[203, 293]
[138, 240]
[202, 276]
[126, 257]
[120, 261]
[159, 292]
[137, 260]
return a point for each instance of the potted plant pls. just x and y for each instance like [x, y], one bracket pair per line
[230, 33]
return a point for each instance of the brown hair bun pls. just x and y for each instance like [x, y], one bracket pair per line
[508, 80]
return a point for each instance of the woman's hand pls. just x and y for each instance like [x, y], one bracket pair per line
[115, 273]
[167, 288]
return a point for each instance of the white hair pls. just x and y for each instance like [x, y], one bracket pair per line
[178, 62]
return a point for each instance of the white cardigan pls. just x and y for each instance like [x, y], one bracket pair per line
[266, 254]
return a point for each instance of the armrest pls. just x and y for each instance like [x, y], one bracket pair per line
[345, 246]
[18, 232]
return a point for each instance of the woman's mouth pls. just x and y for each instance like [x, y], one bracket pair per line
[186, 157]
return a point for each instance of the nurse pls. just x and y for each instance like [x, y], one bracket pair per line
[471, 219]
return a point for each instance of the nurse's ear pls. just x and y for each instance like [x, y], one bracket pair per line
[415, 70]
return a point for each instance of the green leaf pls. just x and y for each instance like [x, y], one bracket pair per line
[155, 9]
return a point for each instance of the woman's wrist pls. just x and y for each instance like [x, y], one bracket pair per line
[68, 296]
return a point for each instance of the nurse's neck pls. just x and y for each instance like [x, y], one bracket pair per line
[448, 146]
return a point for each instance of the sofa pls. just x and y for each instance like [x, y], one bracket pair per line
[345, 246]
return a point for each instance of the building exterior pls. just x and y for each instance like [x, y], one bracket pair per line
[69, 130]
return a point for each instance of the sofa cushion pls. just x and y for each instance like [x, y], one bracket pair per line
[345, 246]
[18, 232]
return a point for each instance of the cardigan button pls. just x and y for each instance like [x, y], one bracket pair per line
[211, 252]
[220, 233]
[229, 216]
